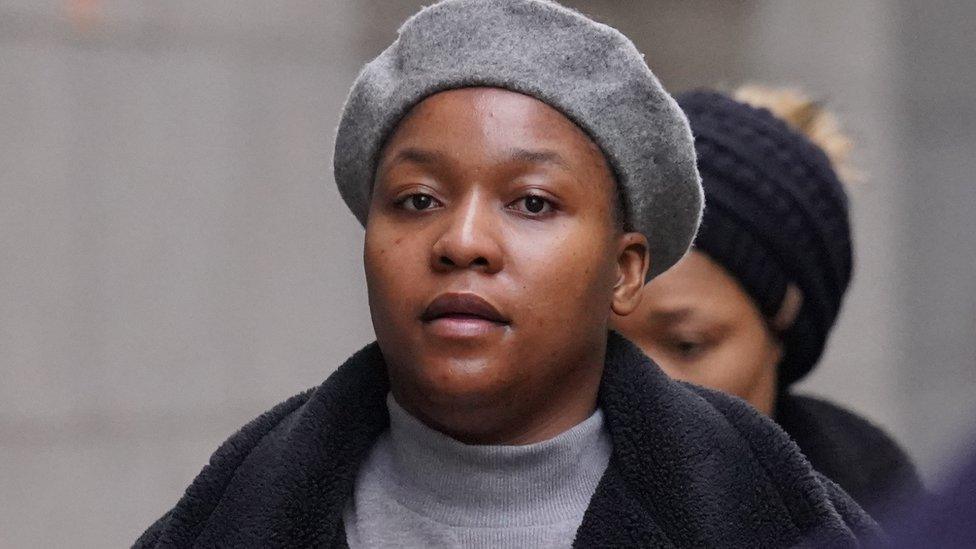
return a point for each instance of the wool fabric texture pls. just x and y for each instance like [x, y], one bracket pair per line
[418, 487]
[588, 71]
[689, 467]
[777, 214]
[849, 450]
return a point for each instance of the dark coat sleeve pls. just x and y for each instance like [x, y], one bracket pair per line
[851, 451]
[862, 525]
[783, 460]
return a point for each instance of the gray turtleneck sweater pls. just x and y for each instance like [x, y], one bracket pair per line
[421, 488]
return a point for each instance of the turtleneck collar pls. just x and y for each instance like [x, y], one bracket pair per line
[459, 484]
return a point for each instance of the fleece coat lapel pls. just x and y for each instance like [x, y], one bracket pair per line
[689, 467]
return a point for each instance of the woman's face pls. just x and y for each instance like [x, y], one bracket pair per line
[700, 326]
[493, 261]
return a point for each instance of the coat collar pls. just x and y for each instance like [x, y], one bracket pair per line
[689, 468]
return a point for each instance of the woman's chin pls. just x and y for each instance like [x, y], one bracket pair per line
[459, 383]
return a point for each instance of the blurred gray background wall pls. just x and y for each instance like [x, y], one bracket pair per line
[174, 258]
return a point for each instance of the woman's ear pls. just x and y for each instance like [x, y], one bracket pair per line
[633, 261]
[788, 309]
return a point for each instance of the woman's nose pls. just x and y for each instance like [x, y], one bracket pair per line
[469, 239]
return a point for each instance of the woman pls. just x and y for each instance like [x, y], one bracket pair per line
[497, 155]
[748, 311]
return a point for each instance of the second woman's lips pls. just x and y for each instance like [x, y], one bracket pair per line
[462, 305]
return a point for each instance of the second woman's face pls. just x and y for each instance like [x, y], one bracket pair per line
[700, 326]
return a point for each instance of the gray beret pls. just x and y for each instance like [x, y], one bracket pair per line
[588, 71]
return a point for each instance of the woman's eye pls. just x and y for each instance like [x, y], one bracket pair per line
[533, 204]
[687, 349]
[418, 202]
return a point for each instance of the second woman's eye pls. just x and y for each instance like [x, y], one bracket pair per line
[688, 348]
[418, 202]
[533, 204]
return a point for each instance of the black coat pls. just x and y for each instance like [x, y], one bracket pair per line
[690, 467]
[852, 452]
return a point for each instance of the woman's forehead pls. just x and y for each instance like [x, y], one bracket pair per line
[490, 114]
[696, 283]
[485, 126]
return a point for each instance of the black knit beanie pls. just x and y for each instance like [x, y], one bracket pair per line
[775, 214]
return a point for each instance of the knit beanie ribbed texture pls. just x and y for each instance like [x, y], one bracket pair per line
[777, 214]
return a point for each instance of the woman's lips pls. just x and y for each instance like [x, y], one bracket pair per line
[462, 315]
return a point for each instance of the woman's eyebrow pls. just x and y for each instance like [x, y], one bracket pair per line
[415, 155]
[673, 315]
[539, 156]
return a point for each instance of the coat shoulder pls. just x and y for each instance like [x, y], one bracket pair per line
[204, 493]
[785, 463]
[296, 459]
[853, 452]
